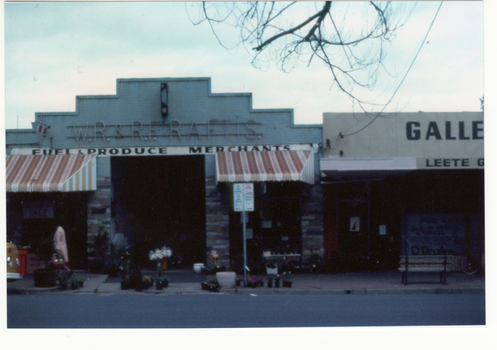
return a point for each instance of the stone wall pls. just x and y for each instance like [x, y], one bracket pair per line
[216, 223]
[312, 222]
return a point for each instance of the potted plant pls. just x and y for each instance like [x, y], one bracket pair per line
[47, 277]
[126, 282]
[277, 281]
[135, 277]
[147, 282]
[159, 256]
[270, 281]
[254, 281]
[98, 250]
[112, 267]
[161, 282]
[287, 279]
[76, 282]
[79, 280]
[211, 285]
[64, 282]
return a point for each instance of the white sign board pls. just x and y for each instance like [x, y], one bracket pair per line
[243, 196]
[355, 224]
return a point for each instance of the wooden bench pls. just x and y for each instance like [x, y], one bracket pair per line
[426, 263]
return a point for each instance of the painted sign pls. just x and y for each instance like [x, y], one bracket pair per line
[162, 151]
[173, 129]
[434, 234]
[438, 139]
[38, 209]
[450, 163]
[448, 130]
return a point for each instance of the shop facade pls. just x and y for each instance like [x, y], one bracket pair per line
[402, 184]
[155, 165]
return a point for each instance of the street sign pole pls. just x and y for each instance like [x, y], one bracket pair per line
[244, 247]
[243, 201]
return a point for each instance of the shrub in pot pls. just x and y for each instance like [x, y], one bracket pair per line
[161, 282]
[126, 283]
[44, 248]
[211, 285]
[286, 279]
[270, 282]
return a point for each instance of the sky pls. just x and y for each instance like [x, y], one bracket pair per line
[57, 51]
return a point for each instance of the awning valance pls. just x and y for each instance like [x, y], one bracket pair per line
[265, 166]
[51, 173]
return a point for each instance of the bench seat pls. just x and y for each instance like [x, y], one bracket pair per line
[426, 263]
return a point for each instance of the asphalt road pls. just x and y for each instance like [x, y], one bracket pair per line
[233, 311]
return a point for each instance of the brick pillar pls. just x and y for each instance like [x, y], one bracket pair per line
[312, 222]
[99, 202]
[216, 223]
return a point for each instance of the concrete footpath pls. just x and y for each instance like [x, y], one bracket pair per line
[188, 282]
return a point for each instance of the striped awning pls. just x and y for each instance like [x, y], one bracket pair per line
[265, 166]
[51, 173]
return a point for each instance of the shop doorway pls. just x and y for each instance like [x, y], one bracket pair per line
[42, 213]
[274, 229]
[353, 233]
[281, 231]
[159, 201]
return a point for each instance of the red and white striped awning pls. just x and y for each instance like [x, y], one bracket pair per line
[265, 166]
[51, 173]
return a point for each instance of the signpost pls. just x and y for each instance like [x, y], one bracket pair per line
[243, 201]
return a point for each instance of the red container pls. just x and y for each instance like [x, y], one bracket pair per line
[23, 252]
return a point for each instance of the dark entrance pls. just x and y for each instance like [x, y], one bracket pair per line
[273, 227]
[353, 232]
[33, 217]
[160, 201]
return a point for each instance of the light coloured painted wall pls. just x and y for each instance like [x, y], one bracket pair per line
[450, 134]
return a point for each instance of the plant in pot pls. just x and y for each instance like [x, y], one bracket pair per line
[135, 277]
[211, 285]
[64, 281]
[270, 281]
[98, 250]
[74, 282]
[161, 282]
[277, 281]
[158, 256]
[45, 250]
[112, 267]
[126, 282]
[254, 281]
[287, 279]
[147, 282]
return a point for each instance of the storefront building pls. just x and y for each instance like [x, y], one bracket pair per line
[406, 183]
[155, 165]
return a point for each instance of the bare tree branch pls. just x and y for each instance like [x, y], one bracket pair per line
[348, 37]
